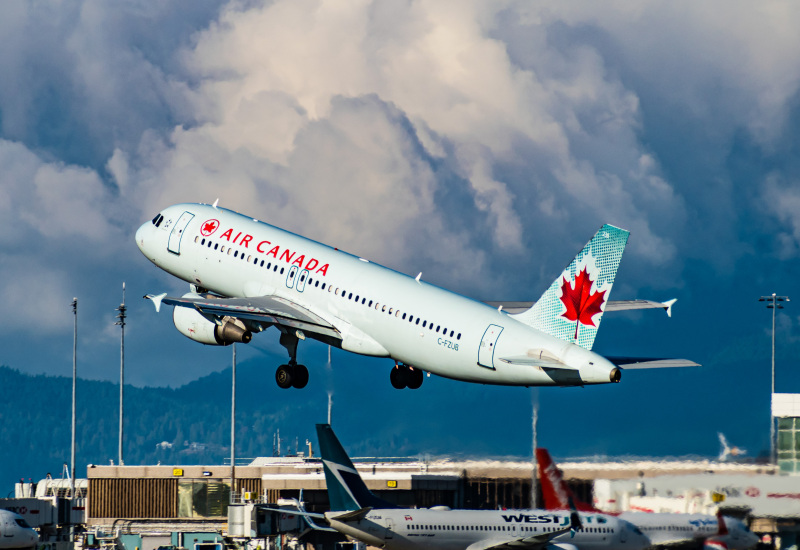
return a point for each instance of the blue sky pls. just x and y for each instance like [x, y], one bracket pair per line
[481, 143]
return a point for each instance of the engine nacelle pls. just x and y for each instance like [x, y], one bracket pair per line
[192, 324]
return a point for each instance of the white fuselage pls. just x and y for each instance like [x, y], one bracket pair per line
[458, 529]
[666, 528]
[15, 532]
[377, 311]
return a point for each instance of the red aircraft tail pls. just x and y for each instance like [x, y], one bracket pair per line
[555, 491]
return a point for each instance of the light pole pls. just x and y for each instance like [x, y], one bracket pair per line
[773, 304]
[233, 428]
[74, 376]
[122, 309]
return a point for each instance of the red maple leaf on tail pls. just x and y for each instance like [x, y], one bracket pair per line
[582, 304]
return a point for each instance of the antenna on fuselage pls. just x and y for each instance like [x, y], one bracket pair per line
[216, 202]
[418, 276]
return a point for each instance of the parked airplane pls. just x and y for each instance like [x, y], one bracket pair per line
[15, 533]
[716, 533]
[247, 276]
[358, 513]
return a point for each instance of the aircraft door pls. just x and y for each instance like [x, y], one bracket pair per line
[488, 343]
[291, 276]
[389, 529]
[301, 281]
[623, 533]
[176, 234]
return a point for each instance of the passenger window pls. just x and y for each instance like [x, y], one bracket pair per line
[390, 311]
[323, 286]
[424, 323]
[451, 334]
[203, 242]
[370, 303]
[269, 265]
[281, 271]
[384, 308]
[197, 238]
[229, 251]
[459, 336]
[262, 263]
[216, 246]
[404, 316]
[417, 320]
[236, 254]
[377, 306]
[438, 327]
[397, 314]
[316, 283]
[350, 296]
[356, 297]
[222, 248]
[248, 258]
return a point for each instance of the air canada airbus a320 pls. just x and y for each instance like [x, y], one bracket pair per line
[246, 276]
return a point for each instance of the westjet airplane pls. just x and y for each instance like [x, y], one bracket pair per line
[247, 276]
[359, 514]
[715, 533]
[15, 533]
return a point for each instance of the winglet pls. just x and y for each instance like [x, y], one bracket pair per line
[156, 300]
[668, 306]
[575, 523]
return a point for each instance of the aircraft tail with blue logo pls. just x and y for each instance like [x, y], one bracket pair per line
[346, 489]
[572, 307]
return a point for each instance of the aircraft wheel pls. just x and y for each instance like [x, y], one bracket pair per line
[415, 377]
[283, 376]
[397, 378]
[300, 377]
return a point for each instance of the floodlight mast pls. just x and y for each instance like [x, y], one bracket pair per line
[773, 304]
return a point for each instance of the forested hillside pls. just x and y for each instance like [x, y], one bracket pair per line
[187, 425]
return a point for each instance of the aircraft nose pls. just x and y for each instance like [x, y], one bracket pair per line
[140, 236]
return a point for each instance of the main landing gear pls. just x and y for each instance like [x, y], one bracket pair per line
[404, 376]
[292, 375]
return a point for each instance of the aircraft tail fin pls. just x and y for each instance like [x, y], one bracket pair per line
[346, 489]
[555, 491]
[572, 307]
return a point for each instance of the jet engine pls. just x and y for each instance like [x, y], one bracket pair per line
[193, 324]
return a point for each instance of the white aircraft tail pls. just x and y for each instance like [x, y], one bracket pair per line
[572, 307]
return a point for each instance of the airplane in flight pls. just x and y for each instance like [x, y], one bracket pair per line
[361, 515]
[714, 532]
[15, 533]
[246, 276]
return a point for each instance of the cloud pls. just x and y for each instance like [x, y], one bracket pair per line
[479, 142]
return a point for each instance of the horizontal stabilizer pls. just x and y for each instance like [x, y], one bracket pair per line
[352, 516]
[613, 305]
[650, 363]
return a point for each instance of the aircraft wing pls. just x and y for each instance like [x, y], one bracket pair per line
[628, 363]
[262, 309]
[613, 305]
[535, 542]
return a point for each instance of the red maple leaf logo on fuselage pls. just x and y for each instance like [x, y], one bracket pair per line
[582, 304]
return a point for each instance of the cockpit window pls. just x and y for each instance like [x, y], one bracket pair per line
[22, 523]
[636, 530]
[158, 219]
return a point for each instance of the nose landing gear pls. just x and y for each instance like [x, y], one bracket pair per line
[405, 376]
